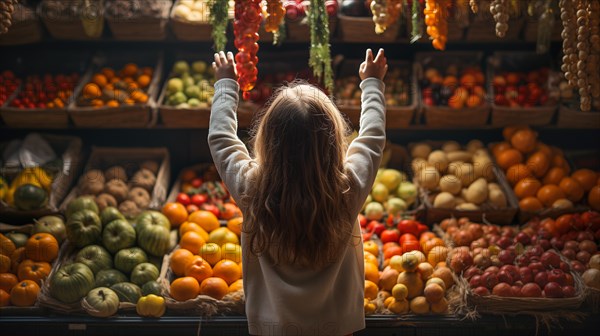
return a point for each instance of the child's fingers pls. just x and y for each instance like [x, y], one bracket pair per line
[230, 57]
[369, 56]
[380, 56]
[217, 60]
[362, 67]
[223, 57]
[214, 65]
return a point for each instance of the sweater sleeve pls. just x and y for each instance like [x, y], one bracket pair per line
[364, 153]
[229, 153]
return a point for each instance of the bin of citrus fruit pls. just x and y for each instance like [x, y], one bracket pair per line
[118, 91]
[203, 275]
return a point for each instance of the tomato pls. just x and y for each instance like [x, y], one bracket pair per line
[410, 245]
[212, 208]
[199, 199]
[563, 224]
[548, 224]
[367, 236]
[409, 226]
[407, 237]
[578, 222]
[197, 182]
[390, 235]
[392, 251]
[375, 227]
[191, 208]
[362, 220]
[591, 219]
[389, 245]
[183, 198]
[422, 228]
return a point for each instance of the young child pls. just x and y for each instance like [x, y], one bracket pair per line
[300, 192]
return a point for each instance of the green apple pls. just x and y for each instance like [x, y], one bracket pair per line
[199, 67]
[183, 106]
[181, 67]
[177, 98]
[197, 78]
[194, 102]
[193, 92]
[187, 81]
[174, 85]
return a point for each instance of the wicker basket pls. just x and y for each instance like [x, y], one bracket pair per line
[140, 115]
[35, 117]
[518, 61]
[130, 158]
[443, 116]
[362, 29]
[190, 31]
[67, 26]
[69, 149]
[141, 28]
[299, 30]
[571, 118]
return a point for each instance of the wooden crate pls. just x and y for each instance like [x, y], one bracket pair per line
[572, 118]
[141, 28]
[362, 29]
[25, 32]
[299, 30]
[139, 115]
[190, 31]
[67, 26]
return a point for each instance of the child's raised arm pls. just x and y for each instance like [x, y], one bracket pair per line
[364, 153]
[229, 153]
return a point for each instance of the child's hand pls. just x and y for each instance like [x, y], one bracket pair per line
[224, 66]
[373, 68]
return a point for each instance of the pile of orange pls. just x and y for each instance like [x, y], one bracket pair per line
[541, 176]
[209, 258]
[111, 88]
[23, 268]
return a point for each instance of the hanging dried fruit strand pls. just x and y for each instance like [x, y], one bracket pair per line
[474, 6]
[567, 16]
[218, 19]
[417, 24]
[7, 8]
[594, 55]
[320, 53]
[545, 27]
[245, 29]
[499, 9]
[275, 15]
[379, 11]
[394, 9]
[436, 19]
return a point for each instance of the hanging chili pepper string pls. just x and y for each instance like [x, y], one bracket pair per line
[320, 53]
[275, 15]
[218, 19]
[245, 29]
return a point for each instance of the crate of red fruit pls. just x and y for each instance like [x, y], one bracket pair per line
[25, 26]
[9, 83]
[400, 89]
[138, 20]
[118, 91]
[518, 83]
[296, 19]
[496, 20]
[504, 270]
[452, 89]
[356, 24]
[73, 20]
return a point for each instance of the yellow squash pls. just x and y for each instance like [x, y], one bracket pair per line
[151, 306]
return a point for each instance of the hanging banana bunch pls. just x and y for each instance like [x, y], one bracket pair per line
[7, 8]
[379, 11]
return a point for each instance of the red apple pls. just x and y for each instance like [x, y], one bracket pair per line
[471, 272]
[504, 242]
[558, 276]
[537, 267]
[516, 290]
[506, 257]
[531, 290]
[536, 250]
[475, 281]
[584, 235]
[588, 246]
[504, 276]
[541, 279]
[583, 257]
[553, 290]
[572, 245]
[557, 243]
[523, 238]
[512, 270]
[502, 289]
[545, 244]
[489, 279]
[568, 291]
[550, 259]
[569, 281]
[569, 253]
[481, 291]
[493, 269]
[577, 266]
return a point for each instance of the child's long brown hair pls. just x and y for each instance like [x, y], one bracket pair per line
[296, 200]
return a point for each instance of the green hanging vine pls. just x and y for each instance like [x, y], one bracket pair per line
[218, 20]
[320, 53]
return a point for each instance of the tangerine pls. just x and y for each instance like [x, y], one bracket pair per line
[206, 219]
[371, 246]
[370, 258]
[8, 281]
[100, 80]
[554, 175]
[4, 298]
[527, 187]
[371, 272]
[130, 70]
[189, 226]
[211, 252]
[175, 212]
[235, 225]
[572, 189]
[524, 140]
[509, 131]
[231, 211]
[237, 285]
[538, 163]
[91, 91]
[185, 288]
[231, 251]
[508, 158]
[180, 259]
[586, 177]
[549, 193]
[371, 290]
[192, 242]
[227, 270]
[108, 73]
[198, 268]
[499, 148]
[517, 172]
[222, 235]
[112, 103]
[594, 198]
[143, 81]
[214, 287]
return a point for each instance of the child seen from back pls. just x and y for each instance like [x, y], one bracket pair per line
[300, 192]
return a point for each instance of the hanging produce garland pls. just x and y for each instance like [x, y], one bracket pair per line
[218, 19]
[461, 13]
[275, 15]
[385, 13]
[7, 7]
[499, 9]
[545, 27]
[245, 29]
[416, 21]
[474, 6]
[436, 19]
[320, 53]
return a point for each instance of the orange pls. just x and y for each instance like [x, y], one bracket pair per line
[235, 225]
[211, 252]
[524, 140]
[189, 226]
[554, 175]
[572, 189]
[214, 287]
[509, 131]
[236, 286]
[500, 147]
[100, 80]
[527, 187]
[594, 198]
[148, 71]
[185, 288]
[131, 87]
[198, 268]
[516, 173]
[425, 236]
[585, 177]
[192, 242]
[538, 163]
[231, 211]
[206, 219]
[467, 80]
[530, 204]
[430, 244]
[91, 91]
[175, 212]
[139, 97]
[371, 272]
[371, 290]
[541, 147]
[371, 246]
[549, 193]
[108, 73]
[130, 70]
[97, 103]
[508, 158]
[231, 251]
[112, 103]
[4, 263]
[559, 161]
[370, 258]
[227, 270]
[180, 259]
[4, 298]
[143, 81]
[437, 254]
[8, 281]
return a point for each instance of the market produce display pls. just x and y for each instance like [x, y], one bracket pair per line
[455, 89]
[522, 89]
[190, 86]
[397, 89]
[29, 190]
[46, 92]
[248, 17]
[7, 8]
[125, 10]
[8, 84]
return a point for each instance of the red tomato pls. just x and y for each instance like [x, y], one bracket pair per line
[375, 227]
[407, 237]
[411, 245]
[563, 224]
[390, 235]
[196, 183]
[591, 220]
[191, 208]
[386, 246]
[199, 199]
[183, 198]
[362, 220]
[422, 229]
[212, 208]
[409, 226]
[392, 251]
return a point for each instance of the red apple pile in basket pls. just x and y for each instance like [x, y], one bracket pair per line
[521, 89]
[8, 84]
[46, 92]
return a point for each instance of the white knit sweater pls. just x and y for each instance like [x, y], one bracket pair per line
[286, 300]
